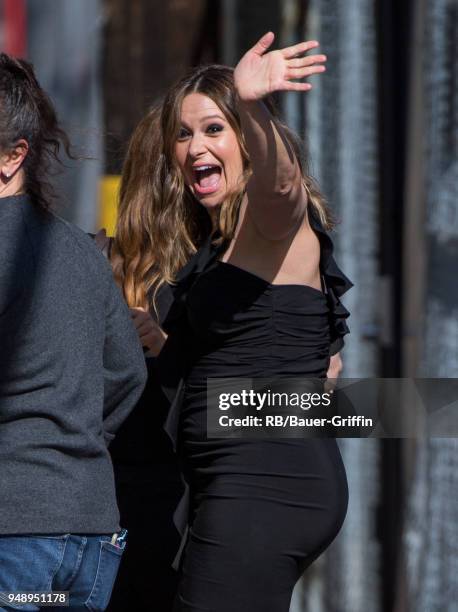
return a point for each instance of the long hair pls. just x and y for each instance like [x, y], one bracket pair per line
[160, 223]
[26, 112]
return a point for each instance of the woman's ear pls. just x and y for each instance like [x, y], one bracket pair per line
[13, 160]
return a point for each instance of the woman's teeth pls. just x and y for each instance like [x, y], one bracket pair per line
[200, 168]
[208, 178]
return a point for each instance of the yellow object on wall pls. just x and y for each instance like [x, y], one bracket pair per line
[108, 202]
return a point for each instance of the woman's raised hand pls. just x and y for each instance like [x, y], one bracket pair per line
[260, 72]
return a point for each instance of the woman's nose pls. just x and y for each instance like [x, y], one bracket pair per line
[197, 145]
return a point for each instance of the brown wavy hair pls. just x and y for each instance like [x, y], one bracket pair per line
[160, 223]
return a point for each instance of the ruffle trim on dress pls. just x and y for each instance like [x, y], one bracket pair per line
[335, 284]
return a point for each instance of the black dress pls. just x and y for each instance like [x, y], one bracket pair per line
[258, 511]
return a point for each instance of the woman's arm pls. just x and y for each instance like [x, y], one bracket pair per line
[277, 200]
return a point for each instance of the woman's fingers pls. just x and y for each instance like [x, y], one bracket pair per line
[292, 52]
[335, 367]
[150, 333]
[144, 328]
[148, 327]
[293, 86]
[307, 60]
[263, 43]
[154, 341]
[138, 316]
[302, 67]
[260, 72]
[301, 73]
[150, 340]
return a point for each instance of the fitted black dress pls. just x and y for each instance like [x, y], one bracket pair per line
[259, 511]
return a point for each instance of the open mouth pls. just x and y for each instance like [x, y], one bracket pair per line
[207, 178]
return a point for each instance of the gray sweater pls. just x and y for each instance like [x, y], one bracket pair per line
[71, 370]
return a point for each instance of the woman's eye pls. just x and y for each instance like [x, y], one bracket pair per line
[214, 128]
[183, 133]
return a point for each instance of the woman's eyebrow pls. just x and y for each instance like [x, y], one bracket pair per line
[202, 119]
[212, 117]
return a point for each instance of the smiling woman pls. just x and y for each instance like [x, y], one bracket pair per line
[160, 223]
[207, 151]
[216, 204]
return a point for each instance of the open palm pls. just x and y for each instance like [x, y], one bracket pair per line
[260, 73]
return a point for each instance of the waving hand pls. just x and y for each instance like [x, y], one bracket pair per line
[261, 72]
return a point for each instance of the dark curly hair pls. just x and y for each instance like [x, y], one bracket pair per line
[26, 112]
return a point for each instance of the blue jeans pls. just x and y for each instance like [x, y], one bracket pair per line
[86, 566]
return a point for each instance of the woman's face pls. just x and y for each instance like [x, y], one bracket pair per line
[207, 151]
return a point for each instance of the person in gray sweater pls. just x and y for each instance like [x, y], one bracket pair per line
[71, 370]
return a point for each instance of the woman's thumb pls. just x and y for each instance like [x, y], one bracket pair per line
[263, 43]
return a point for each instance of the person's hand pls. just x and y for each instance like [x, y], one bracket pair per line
[150, 333]
[259, 72]
[334, 370]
